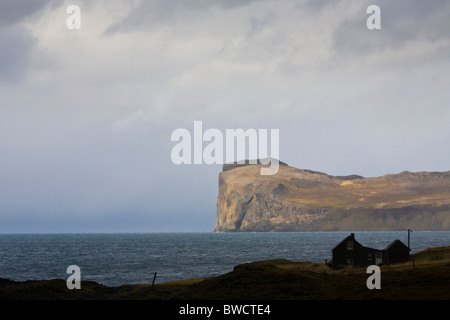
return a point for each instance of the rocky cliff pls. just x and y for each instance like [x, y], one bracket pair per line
[304, 200]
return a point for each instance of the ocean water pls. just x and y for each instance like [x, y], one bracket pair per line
[129, 258]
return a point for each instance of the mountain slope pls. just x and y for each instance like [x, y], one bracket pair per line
[304, 200]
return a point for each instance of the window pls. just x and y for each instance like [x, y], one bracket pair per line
[349, 245]
[349, 262]
[369, 256]
[378, 255]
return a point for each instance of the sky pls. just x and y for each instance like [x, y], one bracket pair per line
[86, 115]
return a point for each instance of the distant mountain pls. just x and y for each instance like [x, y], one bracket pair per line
[304, 200]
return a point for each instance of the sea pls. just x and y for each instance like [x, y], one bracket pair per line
[115, 259]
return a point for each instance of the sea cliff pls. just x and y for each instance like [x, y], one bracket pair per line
[304, 200]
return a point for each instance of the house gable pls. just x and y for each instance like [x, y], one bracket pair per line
[397, 252]
[347, 252]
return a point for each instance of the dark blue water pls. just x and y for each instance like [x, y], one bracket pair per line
[125, 258]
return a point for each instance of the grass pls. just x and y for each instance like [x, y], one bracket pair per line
[425, 276]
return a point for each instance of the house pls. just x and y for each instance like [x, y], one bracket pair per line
[350, 252]
[397, 252]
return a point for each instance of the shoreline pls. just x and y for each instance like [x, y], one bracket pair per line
[424, 276]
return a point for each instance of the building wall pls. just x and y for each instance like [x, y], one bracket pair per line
[397, 253]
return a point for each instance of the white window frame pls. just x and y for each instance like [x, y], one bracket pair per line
[349, 245]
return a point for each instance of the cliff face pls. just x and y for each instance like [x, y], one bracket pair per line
[303, 200]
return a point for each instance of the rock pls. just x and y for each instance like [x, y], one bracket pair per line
[305, 200]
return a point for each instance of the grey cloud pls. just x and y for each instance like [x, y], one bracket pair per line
[320, 4]
[16, 44]
[13, 11]
[401, 22]
[154, 12]
[421, 20]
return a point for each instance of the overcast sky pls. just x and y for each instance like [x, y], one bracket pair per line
[86, 115]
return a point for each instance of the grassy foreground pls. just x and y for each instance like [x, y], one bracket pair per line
[425, 276]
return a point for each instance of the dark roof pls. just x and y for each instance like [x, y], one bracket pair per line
[352, 236]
